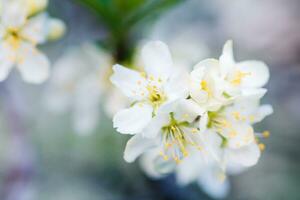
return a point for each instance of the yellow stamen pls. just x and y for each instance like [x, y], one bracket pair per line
[204, 86]
[262, 146]
[236, 115]
[266, 134]
[237, 79]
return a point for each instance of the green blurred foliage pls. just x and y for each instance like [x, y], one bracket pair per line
[126, 20]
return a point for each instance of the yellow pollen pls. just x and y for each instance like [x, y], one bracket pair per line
[194, 130]
[232, 133]
[237, 79]
[225, 123]
[155, 95]
[236, 115]
[143, 74]
[251, 118]
[176, 159]
[204, 86]
[151, 78]
[165, 157]
[14, 41]
[266, 134]
[262, 146]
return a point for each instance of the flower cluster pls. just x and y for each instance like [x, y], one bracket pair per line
[192, 123]
[23, 26]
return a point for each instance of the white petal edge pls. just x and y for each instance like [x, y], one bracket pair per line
[246, 156]
[32, 64]
[155, 125]
[14, 13]
[226, 59]
[136, 146]
[36, 29]
[130, 82]
[258, 73]
[134, 119]
[157, 59]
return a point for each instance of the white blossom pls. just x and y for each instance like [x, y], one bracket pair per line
[148, 90]
[201, 136]
[172, 130]
[20, 33]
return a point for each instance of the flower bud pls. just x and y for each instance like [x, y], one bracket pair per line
[35, 6]
[57, 29]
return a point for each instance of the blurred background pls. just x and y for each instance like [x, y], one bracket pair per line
[44, 156]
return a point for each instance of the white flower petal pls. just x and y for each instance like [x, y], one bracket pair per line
[203, 122]
[157, 59]
[2, 30]
[206, 73]
[148, 165]
[226, 59]
[130, 82]
[189, 170]
[136, 146]
[133, 120]
[114, 102]
[258, 73]
[187, 110]
[36, 29]
[214, 184]
[262, 112]
[239, 135]
[252, 94]
[13, 13]
[209, 65]
[35, 6]
[56, 29]
[177, 86]
[156, 124]
[246, 156]
[33, 65]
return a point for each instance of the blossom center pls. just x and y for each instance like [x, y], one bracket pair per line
[156, 96]
[238, 76]
[13, 38]
[205, 87]
[176, 138]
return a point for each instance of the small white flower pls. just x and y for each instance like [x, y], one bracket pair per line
[19, 35]
[209, 132]
[205, 87]
[215, 83]
[148, 91]
[240, 76]
[234, 125]
[173, 131]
